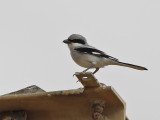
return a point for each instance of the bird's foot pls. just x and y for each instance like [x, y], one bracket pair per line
[78, 73]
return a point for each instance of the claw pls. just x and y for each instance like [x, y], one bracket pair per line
[74, 74]
[77, 81]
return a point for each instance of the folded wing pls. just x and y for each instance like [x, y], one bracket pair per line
[94, 51]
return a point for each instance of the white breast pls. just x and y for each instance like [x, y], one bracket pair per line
[87, 60]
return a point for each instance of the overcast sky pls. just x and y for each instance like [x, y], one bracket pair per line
[32, 52]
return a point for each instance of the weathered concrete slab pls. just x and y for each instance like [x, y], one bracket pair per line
[67, 105]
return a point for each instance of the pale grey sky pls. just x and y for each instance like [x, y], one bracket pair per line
[32, 52]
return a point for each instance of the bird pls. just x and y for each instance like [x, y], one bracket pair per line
[90, 57]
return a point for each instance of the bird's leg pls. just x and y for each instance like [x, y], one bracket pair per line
[88, 68]
[96, 70]
[85, 69]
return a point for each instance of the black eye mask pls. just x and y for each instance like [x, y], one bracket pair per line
[77, 41]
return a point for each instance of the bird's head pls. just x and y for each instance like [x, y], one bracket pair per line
[75, 40]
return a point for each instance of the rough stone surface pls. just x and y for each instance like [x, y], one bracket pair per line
[74, 104]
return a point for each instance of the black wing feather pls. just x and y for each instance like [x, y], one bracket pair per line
[95, 52]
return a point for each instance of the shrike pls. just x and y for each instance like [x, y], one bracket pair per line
[89, 57]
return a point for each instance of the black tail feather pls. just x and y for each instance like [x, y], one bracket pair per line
[131, 66]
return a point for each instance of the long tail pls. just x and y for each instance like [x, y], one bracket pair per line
[131, 66]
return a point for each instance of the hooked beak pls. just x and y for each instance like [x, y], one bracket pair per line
[66, 41]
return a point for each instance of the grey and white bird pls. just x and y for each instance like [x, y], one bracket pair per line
[90, 57]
